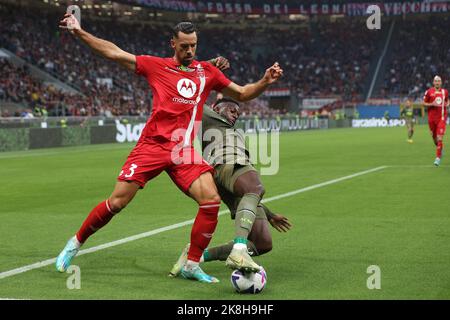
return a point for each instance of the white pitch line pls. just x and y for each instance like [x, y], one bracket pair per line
[417, 166]
[47, 262]
[323, 184]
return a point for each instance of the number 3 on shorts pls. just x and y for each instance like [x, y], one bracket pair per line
[132, 167]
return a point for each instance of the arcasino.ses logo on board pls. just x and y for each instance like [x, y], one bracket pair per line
[186, 88]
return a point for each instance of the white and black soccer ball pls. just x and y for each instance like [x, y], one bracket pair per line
[249, 282]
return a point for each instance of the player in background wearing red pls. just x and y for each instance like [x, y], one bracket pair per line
[180, 87]
[436, 100]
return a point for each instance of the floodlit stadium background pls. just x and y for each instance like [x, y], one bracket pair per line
[335, 67]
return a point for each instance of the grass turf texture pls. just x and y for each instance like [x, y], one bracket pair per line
[396, 218]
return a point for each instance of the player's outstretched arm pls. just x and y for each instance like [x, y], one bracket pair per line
[102, 47]
[253, 90]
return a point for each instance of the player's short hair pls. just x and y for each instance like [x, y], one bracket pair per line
[221, 100]
[186, 27]
[436, 77]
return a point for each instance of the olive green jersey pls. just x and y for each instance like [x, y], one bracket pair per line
[407, 113]
[222, 142]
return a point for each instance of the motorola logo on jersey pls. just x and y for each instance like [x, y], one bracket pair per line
[186, 88]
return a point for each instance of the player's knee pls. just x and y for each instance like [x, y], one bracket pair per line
[117, 204]
[260, 190]
[210, 197]
[262, 242]
[215, 198]
[263, 191]
[257, 189]
[264, 246]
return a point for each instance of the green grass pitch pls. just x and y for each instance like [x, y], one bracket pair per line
[397, 218]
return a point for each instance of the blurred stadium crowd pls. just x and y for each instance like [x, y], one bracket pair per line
[325, 59]
[419, 53]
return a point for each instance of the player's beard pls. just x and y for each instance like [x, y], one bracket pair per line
[187, 61]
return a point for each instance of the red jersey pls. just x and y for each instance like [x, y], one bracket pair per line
[178, 96]
[439, 99]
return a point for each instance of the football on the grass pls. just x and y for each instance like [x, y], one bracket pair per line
[249, 282]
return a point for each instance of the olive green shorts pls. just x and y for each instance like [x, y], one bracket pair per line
[225, 176]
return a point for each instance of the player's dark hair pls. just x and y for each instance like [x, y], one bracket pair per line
[225, 100]
[184, 27]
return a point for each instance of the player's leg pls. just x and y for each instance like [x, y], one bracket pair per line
[433, 130]
[195, 179]
[247, 186]
[440, 131]
[99, 216]
[145, 162]
[222, 252]
[121, 196]
[243, 183]
[260, 235]
[409, 126]
[259, 241]
[439, 148]
[204, 192]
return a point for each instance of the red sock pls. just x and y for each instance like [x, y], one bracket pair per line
[440, 145]
[203, 229]
[98, 217]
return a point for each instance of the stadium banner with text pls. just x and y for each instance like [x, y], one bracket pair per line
[283, 8]
[132, 132]
[374, 122]
[18, 139]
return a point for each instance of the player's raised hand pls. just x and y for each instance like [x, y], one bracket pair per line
[280, 223]
[222, 63]
[70, 23]
[273, 73]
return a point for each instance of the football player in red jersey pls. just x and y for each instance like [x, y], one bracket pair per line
[180, 87]
[436, 100]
